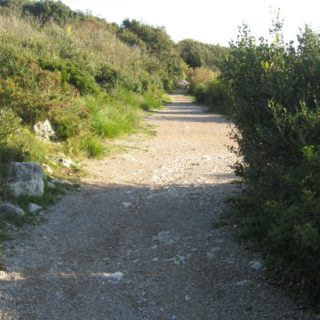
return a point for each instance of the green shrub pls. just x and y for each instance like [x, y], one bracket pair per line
[9, 123]
[110, 118]
[69, 120]
[208, 88]
[33, 93]
[71, 73]
[30, 147]
[49, 11]
[109, 78]
[150, 102]
[93, 147]
[197, 54]
[273, 96]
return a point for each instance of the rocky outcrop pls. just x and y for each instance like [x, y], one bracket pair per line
[25, 178]
[44, 130]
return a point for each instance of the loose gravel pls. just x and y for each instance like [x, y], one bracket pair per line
[136, 242]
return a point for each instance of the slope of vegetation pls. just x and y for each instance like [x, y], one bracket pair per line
[79, 72]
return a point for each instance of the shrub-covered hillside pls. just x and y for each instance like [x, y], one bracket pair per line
[89, 78]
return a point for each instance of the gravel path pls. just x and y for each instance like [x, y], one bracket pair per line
[136, 241]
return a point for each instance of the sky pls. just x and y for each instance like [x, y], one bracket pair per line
[208, 21]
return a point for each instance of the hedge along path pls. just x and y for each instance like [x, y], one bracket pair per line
[136, 241]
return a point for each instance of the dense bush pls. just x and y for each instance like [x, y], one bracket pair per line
[33, 93]
[274, 92]
[155, 41]
[200, 55]
[50, 11]
[9, 123]
[208, 89]
[72, 74]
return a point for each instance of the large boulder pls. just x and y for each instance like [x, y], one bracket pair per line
[25, 178]
[10, 211]
[44, 130]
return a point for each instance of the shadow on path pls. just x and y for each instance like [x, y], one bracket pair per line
[189, 112]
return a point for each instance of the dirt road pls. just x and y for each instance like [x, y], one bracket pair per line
[136, 242]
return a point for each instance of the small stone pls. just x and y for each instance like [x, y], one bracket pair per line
[51, 185]
[178, 259]
[66, 183]
[127, 204]
[8, 210]
[155, 259]
[128, 158]
[34, 208]
[156, 178]
[61, 182]
[187, 298]
[243, 282]
[213, 253]
[256, 264]
[113, 277]
[206, 157]
[194, 196]
[165, 238]
[68, 163]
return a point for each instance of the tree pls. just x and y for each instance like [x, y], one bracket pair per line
[197, 54]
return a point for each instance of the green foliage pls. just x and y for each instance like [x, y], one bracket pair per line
[165, 98]
[30, 147]
[197, 54]
[50, 11]
[150, 102]
[69, 121]
[192, 53]
[207, 87]
[157, 43]
[92, 146]
[109, 78]
[273, 96]
[9, 123]
[34, 96]
[71, 73]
